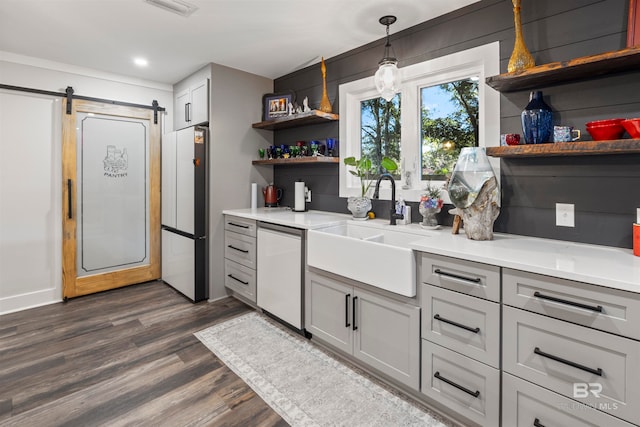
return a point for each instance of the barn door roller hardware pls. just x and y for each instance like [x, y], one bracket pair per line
[69, 94]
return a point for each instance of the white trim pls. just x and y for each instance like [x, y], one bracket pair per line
[482, 61]
[81, 71]
[21, 302]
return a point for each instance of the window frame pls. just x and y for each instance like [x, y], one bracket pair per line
[481, 61]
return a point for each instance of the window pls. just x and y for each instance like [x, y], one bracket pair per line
[380, 130]
[443, 105]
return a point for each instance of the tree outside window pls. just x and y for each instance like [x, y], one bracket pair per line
[380, 130]
[449, 122]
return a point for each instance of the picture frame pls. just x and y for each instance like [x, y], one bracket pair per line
[276, 105]
[633, 28]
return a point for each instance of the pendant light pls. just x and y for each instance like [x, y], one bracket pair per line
[387, 77]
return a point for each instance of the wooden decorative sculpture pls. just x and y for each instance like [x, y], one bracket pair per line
[325, 104]
[520, 59]
[479, 217]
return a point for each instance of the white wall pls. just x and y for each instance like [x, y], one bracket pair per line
[31, 170]
[236, 102]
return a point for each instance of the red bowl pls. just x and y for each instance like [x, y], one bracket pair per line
[604, 122]
[632, 126]
[605, 133]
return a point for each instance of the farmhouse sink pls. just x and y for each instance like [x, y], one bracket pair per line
[377, 256]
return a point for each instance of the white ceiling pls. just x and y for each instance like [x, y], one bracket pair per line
[270, 38]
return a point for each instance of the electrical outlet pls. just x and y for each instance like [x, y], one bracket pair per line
[638, 216]
[564, 215]
[308, 196]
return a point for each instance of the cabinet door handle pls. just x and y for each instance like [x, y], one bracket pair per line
[353, 311]
[458, 386]
[187, 110]
[346, 310]
[238, 225]
[69, 199]
[459, 325]
[537, 423]
[238, 249]
[597, 308]
[456, 276]
[237, 280]
[596, 371]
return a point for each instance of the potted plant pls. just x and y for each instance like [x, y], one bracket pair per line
[430, 205]
[364, 169]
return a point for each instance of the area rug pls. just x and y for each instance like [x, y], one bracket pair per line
[303, 384]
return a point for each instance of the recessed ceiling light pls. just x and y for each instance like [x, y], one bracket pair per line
[140, 62]
[180, 7]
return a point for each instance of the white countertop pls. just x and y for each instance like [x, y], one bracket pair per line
[285, 216]
[600, 265]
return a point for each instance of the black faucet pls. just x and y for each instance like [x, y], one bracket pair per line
[376, 194]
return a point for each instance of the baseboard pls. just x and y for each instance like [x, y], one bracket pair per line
[30, 300]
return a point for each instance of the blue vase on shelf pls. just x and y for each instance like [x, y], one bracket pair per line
[537, 120]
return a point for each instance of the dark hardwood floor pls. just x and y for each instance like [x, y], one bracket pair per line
[122, 357]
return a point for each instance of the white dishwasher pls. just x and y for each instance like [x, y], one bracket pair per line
[280, 266]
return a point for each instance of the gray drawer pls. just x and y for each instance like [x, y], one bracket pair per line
[472, 278]
[240, 225]
[442, 368]
[240, 279]
[468, 325]
[598, 307]
[523, 403]
[558, 355]
[240, 248]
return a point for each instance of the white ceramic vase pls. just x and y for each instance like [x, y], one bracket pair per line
[359, 206]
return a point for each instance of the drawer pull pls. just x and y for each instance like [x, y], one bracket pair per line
[238, 225]
[245, 251]
[237, 280]
[455, 276]
[458, 386]
[346, 310]
[537, 423]
[597, 371]
[564, 301]
[459, 325]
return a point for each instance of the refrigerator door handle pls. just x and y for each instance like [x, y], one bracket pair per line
[187, 112]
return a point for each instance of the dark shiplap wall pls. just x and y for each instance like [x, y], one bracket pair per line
[604, 189]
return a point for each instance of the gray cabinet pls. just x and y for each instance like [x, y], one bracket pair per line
[240, 257]
[525, 405]
[574, 339]
[460, 303]
[593, 367]
[462, 384]
[191, 105]
[381, 332]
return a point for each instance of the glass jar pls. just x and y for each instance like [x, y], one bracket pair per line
[472, 170]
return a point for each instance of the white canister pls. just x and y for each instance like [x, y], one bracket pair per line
[299, 204]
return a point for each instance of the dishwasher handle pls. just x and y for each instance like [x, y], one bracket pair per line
[281, 228]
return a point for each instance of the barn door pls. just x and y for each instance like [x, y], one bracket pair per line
[111, 197]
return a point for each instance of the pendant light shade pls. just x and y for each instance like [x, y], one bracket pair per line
[387, 78]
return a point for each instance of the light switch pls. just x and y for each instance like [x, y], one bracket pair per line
[565, 215]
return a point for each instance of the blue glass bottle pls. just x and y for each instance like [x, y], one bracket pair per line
[537, 120]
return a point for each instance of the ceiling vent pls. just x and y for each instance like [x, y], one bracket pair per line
[182, 8]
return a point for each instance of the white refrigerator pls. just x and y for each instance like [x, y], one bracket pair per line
[185, 211]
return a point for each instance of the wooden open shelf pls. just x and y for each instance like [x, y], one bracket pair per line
[577, 148]
[576, 69]
[302, 119]
[298, 161]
